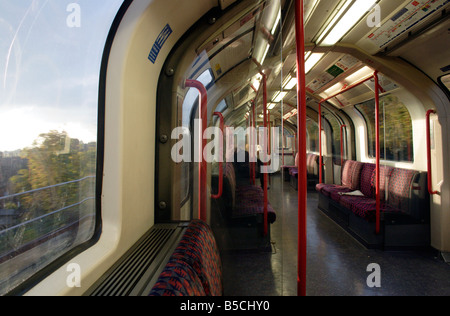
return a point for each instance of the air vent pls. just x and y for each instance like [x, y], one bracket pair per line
[138, 270]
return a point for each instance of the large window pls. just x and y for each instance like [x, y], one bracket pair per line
[51, 53]
[396, 132]
[336, 136]
[312, 134]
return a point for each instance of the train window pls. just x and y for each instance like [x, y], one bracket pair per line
[336, 136]
[206, 78]
[312, 129]
[48, 152]
[445, 82]
[396, 132]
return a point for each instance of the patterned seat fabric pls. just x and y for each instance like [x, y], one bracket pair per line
[396, 186]
[178, 279]
[198, 248]
[195, 268]
[400, 184]
[247, 200]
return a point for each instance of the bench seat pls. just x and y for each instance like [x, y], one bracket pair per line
[403, 196]
[195, 267]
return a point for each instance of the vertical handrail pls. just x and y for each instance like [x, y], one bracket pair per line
[342, 144]
[222, 128]
[301, 132]
[266, 177]
[378, 153]
[320, 145]
[203, 167]
[429, 165]
[254, 143]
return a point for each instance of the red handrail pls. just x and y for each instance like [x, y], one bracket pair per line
[222, 128]
[320, 145]
[378, 152]
[203, 167]
[430, 183]
[302, 172]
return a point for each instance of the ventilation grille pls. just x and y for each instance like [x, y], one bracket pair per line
[134, 274]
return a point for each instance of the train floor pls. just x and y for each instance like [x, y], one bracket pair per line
[337, 263]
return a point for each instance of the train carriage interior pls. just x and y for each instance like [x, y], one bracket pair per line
[225, 148]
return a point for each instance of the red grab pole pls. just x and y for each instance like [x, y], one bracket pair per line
[301, 131]
[254, 137]
[378, 151]
[203, 167]
[430, 183]
[320, 145]
[266, 178]
[222, 128]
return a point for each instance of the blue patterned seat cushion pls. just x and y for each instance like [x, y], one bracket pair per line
[178, 279]
[195, 267]
[199, 249]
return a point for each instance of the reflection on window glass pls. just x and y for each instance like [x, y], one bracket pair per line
[446, 81]
[396, 132]
[312, 132]
[52, 52]
[336, 136]
[190, 100]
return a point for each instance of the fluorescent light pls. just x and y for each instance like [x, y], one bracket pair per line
[359, 75]
[356, 12]
[279, 96]
[312, 61]
[271, 106]
[333, 22]
[274, 28]
[256, 84]
[290, 83]
[265, 54]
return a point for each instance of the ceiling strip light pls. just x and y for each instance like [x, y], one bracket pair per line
[348, 21]
[333, 22]
[312, 61]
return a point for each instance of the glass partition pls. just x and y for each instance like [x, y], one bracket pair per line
[52, 51]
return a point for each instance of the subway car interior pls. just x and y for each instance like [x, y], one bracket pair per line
[235, 148]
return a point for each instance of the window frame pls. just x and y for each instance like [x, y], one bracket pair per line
[368, 140]
[49, 269]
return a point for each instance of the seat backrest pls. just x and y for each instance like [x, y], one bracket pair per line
[178, 279]
[351, 174]
[195, 267]
[400, 185]
[199, 249]
[366, 180]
